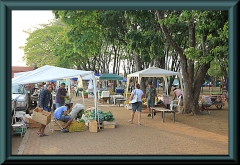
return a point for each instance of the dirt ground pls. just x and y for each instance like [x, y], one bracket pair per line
[216, 121]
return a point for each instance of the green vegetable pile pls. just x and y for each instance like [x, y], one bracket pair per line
[80, 113]
[103, 116]
[81, 121]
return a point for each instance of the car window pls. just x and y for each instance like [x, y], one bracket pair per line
[17, 89]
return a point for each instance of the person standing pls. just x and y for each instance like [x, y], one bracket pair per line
[150, 95]
[61, 95]
[73, 92]
[44, 101]
[138, 105]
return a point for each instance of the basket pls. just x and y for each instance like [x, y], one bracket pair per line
[76, 127]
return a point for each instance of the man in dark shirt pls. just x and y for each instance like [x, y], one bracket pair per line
[60, 96]
[44, 101]
[150, 95]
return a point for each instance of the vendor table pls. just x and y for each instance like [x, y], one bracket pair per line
[163, 110]
[114, 97]
[120, 101]
[104, 99]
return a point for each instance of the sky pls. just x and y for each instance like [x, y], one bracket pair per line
[24, 20]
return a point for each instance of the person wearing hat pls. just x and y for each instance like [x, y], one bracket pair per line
[177, 93]
[150, 95]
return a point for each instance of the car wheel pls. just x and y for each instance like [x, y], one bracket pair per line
[27, 109]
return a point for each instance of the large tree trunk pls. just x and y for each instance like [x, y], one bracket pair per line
[192, 85]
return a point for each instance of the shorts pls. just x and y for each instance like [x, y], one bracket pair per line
[151, 103]
[137, 106]
[65, 118]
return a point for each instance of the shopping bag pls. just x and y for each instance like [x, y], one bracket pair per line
[135, 98]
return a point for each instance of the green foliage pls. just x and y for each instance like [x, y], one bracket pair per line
[87, 38]
[215, 70]
[103, 116]
[40, 46]
[81, 121]
[80, 113]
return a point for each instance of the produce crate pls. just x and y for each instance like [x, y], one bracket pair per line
[93, 126]
[19, 130]
[42, 117]
[76, 127]
[109, 124]
[34, 124]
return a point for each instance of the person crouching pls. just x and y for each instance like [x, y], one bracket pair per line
[61, 114]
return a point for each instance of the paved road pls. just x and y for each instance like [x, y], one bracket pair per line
[152, 137]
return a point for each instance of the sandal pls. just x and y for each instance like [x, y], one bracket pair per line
[45, 134]
[39, 134]
[130, 121]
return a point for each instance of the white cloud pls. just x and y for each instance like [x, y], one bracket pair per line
[24, 20]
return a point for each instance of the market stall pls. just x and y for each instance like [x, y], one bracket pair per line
[47, 73]
[154, 72]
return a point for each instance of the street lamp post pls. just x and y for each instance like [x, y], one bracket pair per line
[166, 62]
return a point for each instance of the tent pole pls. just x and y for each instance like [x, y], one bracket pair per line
[81, 86]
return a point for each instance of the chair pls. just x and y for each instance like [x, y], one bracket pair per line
[105, 95]
[52, 124]
[18, 127]
[174, 105]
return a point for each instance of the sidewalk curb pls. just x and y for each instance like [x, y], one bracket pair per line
[24, 141]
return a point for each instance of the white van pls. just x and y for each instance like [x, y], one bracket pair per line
[20, 98]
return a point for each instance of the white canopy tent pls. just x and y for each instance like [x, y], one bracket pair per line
[20, 73]
[47, 73]
[89, 77]
[154, 72]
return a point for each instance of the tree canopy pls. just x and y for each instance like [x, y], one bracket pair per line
[105, 40]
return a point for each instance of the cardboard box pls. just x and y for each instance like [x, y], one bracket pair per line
[42, 117]
[92, 126]
[34, 124]
[109, 124]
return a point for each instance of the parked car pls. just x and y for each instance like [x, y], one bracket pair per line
[20, 98]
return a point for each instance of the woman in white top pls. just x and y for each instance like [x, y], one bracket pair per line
[137, 105]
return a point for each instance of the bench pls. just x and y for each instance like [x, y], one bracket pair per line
[163, 110]
[120, 101]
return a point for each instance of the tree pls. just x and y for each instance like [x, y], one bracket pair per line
[41, 43]
[200, 25]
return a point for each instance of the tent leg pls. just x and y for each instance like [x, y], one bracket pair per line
[152, 112]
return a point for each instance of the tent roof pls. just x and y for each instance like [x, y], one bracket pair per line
[90, 77]
[47, 73]
[153, 72]
[108, 76]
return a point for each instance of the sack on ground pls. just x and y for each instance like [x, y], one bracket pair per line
[76, 109]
